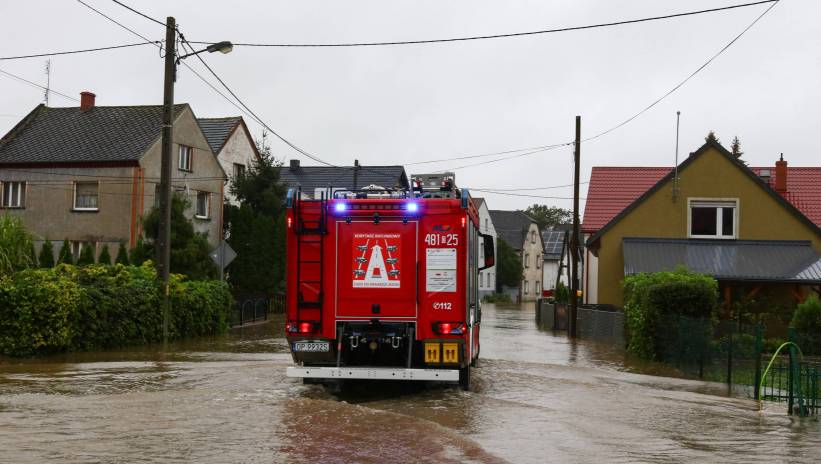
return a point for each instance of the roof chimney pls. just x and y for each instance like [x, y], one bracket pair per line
[86, 100]
[781, 175]
[294, 165]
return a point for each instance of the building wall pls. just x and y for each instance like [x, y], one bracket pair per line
[532, 251]
[238, 149]
[711, 175]
[48, 211]
[487, 278]
[206, 176]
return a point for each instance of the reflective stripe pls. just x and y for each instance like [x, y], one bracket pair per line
[376, 373]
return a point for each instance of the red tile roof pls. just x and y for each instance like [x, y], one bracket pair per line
[612, 189]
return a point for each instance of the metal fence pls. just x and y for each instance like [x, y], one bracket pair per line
[250, 309]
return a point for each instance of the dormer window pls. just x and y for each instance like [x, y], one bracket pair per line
[713, 218]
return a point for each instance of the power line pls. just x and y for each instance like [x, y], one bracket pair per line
[496, 36]
[139, 13]
[651, 105]
[26, 81]
[496, 192]
[693, 74]
[72, 52]
[526, 189]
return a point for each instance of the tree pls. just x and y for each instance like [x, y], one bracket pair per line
[105, 256]
[711, 137]
[509, 265]
[547, 216]
[256, 228]
[86, 256]
[122, 255]
[15, 246]
[46, 257]
[65, 256]
[141, 252]
[735, 149]
[189, 249]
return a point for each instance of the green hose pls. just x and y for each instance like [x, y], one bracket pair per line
[767, 370]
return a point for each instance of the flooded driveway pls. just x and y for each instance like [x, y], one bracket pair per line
[536, 398]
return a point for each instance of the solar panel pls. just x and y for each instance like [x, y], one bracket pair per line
[553, 242]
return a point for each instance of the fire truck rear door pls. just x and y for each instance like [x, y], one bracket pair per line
[376, 269]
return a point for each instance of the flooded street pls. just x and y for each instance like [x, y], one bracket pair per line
[536, 398]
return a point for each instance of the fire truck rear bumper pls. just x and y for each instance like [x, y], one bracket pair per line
[374, 373]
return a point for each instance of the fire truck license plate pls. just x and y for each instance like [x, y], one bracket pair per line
[312, 347]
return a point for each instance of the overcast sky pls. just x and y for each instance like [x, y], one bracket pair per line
[399, 104]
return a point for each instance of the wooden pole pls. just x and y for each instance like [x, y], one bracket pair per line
[574, 246]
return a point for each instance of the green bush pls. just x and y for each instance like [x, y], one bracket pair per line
[807, 324]
[98, 307]
[122, 255]
[561, 294]
[37, 308]
[65, 256]
[657, 303]
[497, 298]
[16, 246]
[105, 256]
[46, 257]
[807, 317]
[86, 256]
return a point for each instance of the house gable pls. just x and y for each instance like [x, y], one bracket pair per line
[709, 173]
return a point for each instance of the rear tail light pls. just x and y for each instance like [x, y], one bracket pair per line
[448, 328]
[301, 327]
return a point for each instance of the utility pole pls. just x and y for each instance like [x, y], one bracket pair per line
[574, 250]
[164, 234]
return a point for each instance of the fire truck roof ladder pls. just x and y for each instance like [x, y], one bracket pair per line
[311, 226]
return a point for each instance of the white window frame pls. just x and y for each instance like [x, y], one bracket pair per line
[21, 194]
[85, 208]
[189, 152]
[207, 205]
[527, 260]
[717, 203]
[538, 261]
[527, 287]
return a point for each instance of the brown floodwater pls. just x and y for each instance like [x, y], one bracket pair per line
[537, 397]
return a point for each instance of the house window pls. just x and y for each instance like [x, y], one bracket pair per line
[532, 237]
[239, 170]
[86, 196]
[538, 287]
[203, 205]
[14, 194]
[538, 261]
[713, 219]
[185, 158]
[486, 224]
[527, 287]
[527, 260]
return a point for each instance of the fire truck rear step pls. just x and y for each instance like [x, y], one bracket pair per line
[374, 373]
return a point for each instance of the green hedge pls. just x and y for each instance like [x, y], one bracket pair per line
[658, 305]
[97, 307]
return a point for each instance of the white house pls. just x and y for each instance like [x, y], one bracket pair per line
[487, 278]
[231, 142]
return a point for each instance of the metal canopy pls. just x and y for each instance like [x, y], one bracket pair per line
[777, 261]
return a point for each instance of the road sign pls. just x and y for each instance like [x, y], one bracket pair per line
[223, 255]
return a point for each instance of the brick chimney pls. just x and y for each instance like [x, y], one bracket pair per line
[86, 100]
[781, 175]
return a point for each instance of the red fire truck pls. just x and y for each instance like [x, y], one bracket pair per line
[383, 284]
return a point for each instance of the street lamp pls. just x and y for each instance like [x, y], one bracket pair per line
[163, 252]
